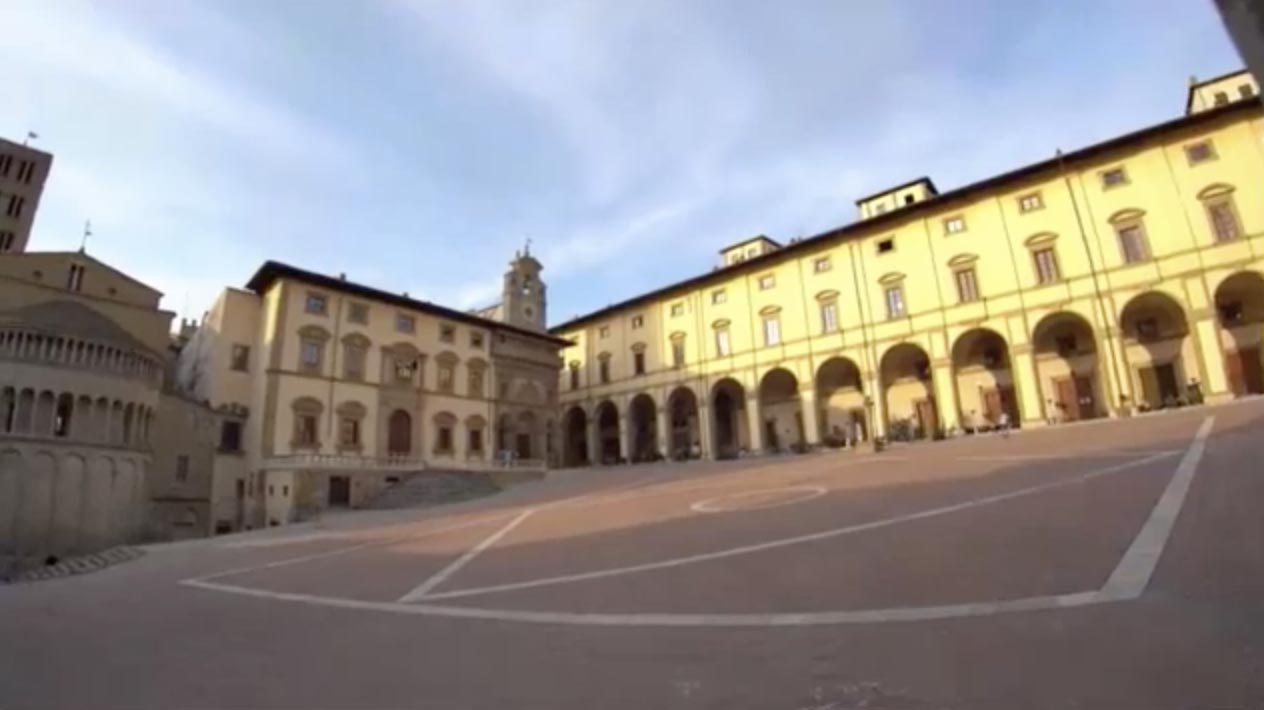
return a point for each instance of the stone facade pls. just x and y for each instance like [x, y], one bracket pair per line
[1122, 277]
[23, 171]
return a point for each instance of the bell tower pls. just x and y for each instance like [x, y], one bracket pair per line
[524, 296]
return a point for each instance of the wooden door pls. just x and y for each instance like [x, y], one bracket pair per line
[1169, 388]
[1068, 398]
[927, 418]
[1150, 393]
[992, 406]
[524, 445]
[399, 438]
[339, 491]
[1085, 406]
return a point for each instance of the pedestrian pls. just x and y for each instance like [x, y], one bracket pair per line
[1004, 424]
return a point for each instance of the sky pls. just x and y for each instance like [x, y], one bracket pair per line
[414, 145]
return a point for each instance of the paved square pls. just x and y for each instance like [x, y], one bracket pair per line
[1116, 564]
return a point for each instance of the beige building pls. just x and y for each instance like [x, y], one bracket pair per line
[1122, 277]
[23, 171]
[81, 367]
[346, 388]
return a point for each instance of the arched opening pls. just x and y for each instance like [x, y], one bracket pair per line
[780, 411]
[908, 393]
[608, 432]
[576, 432]
[525, 441]
[399, 433]
[1065, 353]
[685, 441]
[840, 395]
[985, 383]
[643, 429]
[1154, 330]
[1240, 312]
[728, 402]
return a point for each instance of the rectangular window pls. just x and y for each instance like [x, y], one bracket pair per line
[1132, 243]
[1030, 203]
[895, 301]
[954, 225]
[1224, 219]
[1199, 152]
[353, 357]
[638, 363]
[722, 347]
[574, 377]
[677, 309]
[967, 286]
[1114, 177]
[405, 323]
[772, 330]
[603, 332]
[910, 199]
[1221, 98]
[1046, 265]
[476, 339]
[822, 264]
[349, 432]
[829, 317]
[767, 281]
[7, 240]
[15, 206]
[886, 245]
[182, 468]
[74, 278]
[316, 304]
[6, 161]
[358, 313]
[719, 296]
[637, 322]
[445, 375]
[309, 357]
[476, 441]
[230, 436]
[475, 384]
[240, 358]
[305, 435]
[1245, 91]
[678, 352]
[603, 370]
[27, 171]
[444, 439]
[447, 333]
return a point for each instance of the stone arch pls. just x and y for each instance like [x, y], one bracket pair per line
[1156, 350]
[1239, 302]
[642, 422]
[908, 393]
[683, 431]
[840, 394]
[1067, 367]
[8, 410]
[984, 380]
[607, 417]
[45, 407]
[575, 437]
[781, 411]
[731, 426]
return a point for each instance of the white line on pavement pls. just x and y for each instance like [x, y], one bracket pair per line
[1133, 572]
[1058, 457]
[439, 577]
[785, 542]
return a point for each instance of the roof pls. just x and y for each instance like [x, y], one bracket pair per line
[70, 318]
[83, 255]
[1194, 86]
[748, 240]
[860, 228]
[271, 271]
[23, 147]
[923, 179]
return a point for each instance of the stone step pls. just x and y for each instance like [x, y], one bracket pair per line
[435, 488]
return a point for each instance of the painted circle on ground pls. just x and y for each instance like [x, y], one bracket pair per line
[757, 500]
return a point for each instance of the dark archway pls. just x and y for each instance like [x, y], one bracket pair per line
[608, 432]
[1154, 337]
[840, 394]
[1240, 312]
[781, 411]
[984, 380]
[399, 433]
[684, 440]
[1065, 352]
[642, 429]
[728, 404]
[908, 393]
[576, 433]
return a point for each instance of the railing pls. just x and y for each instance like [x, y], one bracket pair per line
[344, 461]
[26, 345]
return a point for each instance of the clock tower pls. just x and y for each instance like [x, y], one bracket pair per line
[524, 297]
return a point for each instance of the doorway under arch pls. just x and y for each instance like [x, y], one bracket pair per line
[399, 433]
[1240, 313]
[908, 393]
[781, 411]
[984, 380]
[841, 397]
[575, 452]
[1154, 331]
[731, 428]
[1067, 368]
[684, 440]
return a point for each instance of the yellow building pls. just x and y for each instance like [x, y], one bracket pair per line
[345, 389]
[1121, 277]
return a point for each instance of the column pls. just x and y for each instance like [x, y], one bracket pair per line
[811, 428]
[876, 408]
[1116, 375]
[624, 421]
[704, 431]
[594, 442]
[1207, 340]
[755, 424]
[664, 432]
[1026, 386]
[945, 394]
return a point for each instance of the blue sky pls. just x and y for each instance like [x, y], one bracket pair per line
[414, 145]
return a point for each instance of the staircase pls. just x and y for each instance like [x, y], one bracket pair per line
[427, 488]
